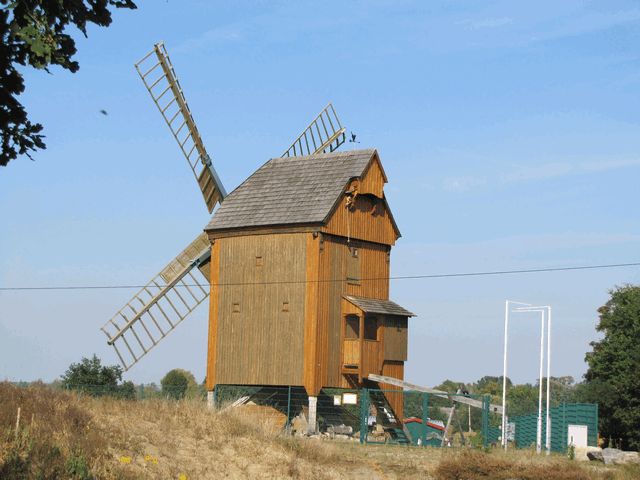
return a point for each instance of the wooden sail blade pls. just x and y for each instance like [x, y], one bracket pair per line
[161, 304]
[159, 77]
[324, 133]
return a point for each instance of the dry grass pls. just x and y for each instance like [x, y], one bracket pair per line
[473, 465]
[524, 465]
[157, 439]
[56, 437]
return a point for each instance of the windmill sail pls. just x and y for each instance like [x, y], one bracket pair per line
[159, 77]
[161, 304]
[324, 133]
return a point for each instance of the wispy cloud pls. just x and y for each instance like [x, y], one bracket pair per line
[266, 27]
[546, 171]
[219, 35]
[463, 184]
[601, 166]
[537, 172]
[590, 22]
[555, 170]
[522, 243]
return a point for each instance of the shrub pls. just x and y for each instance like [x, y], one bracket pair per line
[76, 467]
[90, 376]
[175, 384]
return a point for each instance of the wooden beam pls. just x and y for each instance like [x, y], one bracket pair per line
[311, 335]
[213, 316]
[262, 230]
[437, 393]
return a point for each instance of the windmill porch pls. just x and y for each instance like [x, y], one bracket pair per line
[299, 278]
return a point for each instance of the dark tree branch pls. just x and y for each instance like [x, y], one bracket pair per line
[32, 33]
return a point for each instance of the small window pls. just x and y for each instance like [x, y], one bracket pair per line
[236, 308]
[370, 327]
[352, 327]
[353, 266]
[259, 261]
[285, 306]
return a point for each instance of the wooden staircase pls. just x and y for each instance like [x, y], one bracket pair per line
[388, 419]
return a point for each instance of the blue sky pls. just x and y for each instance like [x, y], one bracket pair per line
[509, 133]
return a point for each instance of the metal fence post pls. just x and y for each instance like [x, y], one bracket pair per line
[364, 415]
[425, 418]
[288, 408]
[597, 427]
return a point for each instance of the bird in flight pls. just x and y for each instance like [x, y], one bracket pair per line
[104, 112]
[353, 138]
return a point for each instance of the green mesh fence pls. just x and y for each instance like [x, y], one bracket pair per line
[338, 410]
[371, 416]
[562, 417]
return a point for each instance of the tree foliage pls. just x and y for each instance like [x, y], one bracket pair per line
[34, 34]
[179, 383]
[90, 376]
[613, 377]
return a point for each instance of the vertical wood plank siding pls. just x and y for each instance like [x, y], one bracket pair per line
[261, 343]
[396, 400]
[395, 338]
[311, 324]
[371, 357]
[373, 180]
[368, 218]
[351, 352]
[214, 278]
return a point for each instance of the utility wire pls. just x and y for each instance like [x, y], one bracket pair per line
[400, 277]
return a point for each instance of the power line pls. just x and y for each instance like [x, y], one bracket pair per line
[400, 277]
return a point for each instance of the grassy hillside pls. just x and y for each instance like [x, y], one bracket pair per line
[62, 435]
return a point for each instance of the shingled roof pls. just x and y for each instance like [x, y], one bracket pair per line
[385, 307]
[293, 190]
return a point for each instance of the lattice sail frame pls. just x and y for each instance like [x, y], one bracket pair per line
[161, 304]
[325, 132]
[183, 284]
[177, 116]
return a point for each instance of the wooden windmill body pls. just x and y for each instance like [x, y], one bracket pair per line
[300, 280]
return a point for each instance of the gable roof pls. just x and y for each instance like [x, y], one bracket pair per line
[384, 307]
[291, 190]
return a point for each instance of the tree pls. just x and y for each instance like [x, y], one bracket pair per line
[612, 378]
[90, 376]
[562, 390]
[450, 386]
[522, 400]
[33, 33]
[491, 385]
[176, 382]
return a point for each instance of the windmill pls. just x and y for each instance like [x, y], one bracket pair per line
[182, 285]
